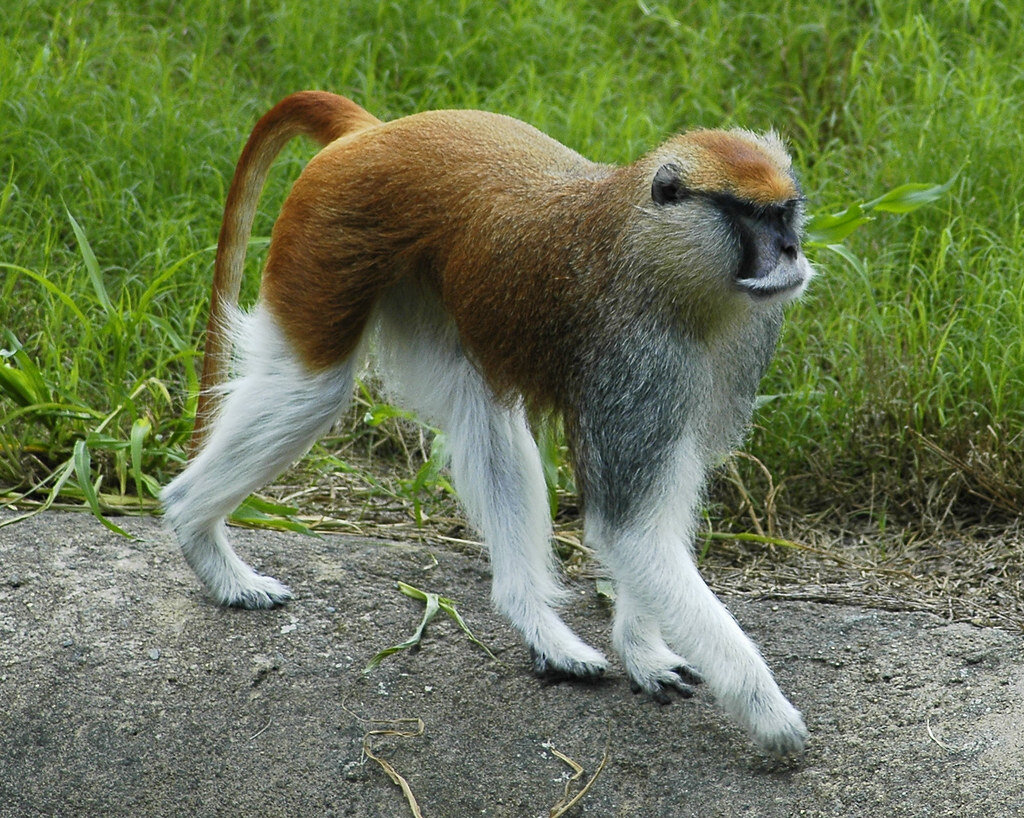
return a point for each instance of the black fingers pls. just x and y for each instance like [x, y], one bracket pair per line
[688, 674]
[680, 680]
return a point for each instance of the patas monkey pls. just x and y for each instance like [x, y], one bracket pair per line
[503, 271]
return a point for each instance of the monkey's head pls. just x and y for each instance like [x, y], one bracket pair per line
[727, 213]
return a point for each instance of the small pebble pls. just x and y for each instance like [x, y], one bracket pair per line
[354, 771]
[154, 653]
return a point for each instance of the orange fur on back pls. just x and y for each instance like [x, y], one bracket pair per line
[518, 236]
[474, 205]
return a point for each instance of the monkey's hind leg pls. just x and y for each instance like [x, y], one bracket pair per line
[269, 416]
[497, 472]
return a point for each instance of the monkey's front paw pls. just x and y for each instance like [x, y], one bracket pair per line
[553, 670]
[659, 685]
[778, 728]
[788, 739]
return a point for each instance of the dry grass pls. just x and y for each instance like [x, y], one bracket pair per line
[974, 576]
[962, 573]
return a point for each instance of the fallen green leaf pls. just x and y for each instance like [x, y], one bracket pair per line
[434, 603]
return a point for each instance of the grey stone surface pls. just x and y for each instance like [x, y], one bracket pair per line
[124, 691]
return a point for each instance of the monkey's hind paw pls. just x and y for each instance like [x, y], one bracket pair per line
[260, 593]
[680, 680]
[785, 741]
[550, 671]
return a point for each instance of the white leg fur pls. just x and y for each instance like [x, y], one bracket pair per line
[651, 664]
[497, 472]
[269, 415]
[662, 598]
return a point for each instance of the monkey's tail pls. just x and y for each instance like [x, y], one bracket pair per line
[320, 115]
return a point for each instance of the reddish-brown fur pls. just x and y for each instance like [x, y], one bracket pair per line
[518, 236]
[739, 166]
[319, 115]
[497, 219]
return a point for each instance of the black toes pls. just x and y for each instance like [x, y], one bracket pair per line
[681, 683]
[660, 696]
[685, 691]
[550, 674]
[690, 675]
[252, 601]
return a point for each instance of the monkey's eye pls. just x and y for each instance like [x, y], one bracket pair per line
[769, 213]
[779, 213]
[667, 187]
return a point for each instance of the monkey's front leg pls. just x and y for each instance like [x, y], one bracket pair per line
[663, 601]
[653, 667]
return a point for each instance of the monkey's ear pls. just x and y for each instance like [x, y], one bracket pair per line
[667, 187]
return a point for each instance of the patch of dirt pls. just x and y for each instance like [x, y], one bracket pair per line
[963, 573]
[124, 691]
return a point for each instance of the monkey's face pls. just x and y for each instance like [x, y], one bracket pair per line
[734, 215]
[772, 265]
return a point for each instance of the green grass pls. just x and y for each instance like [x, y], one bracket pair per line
[900, 382]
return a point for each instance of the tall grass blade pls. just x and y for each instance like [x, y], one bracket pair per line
[25, 384]
[55, 290]
[92, 266]
[17, 386]
[83, 471]
[910, 197]
[140, 431]
[825, 230]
